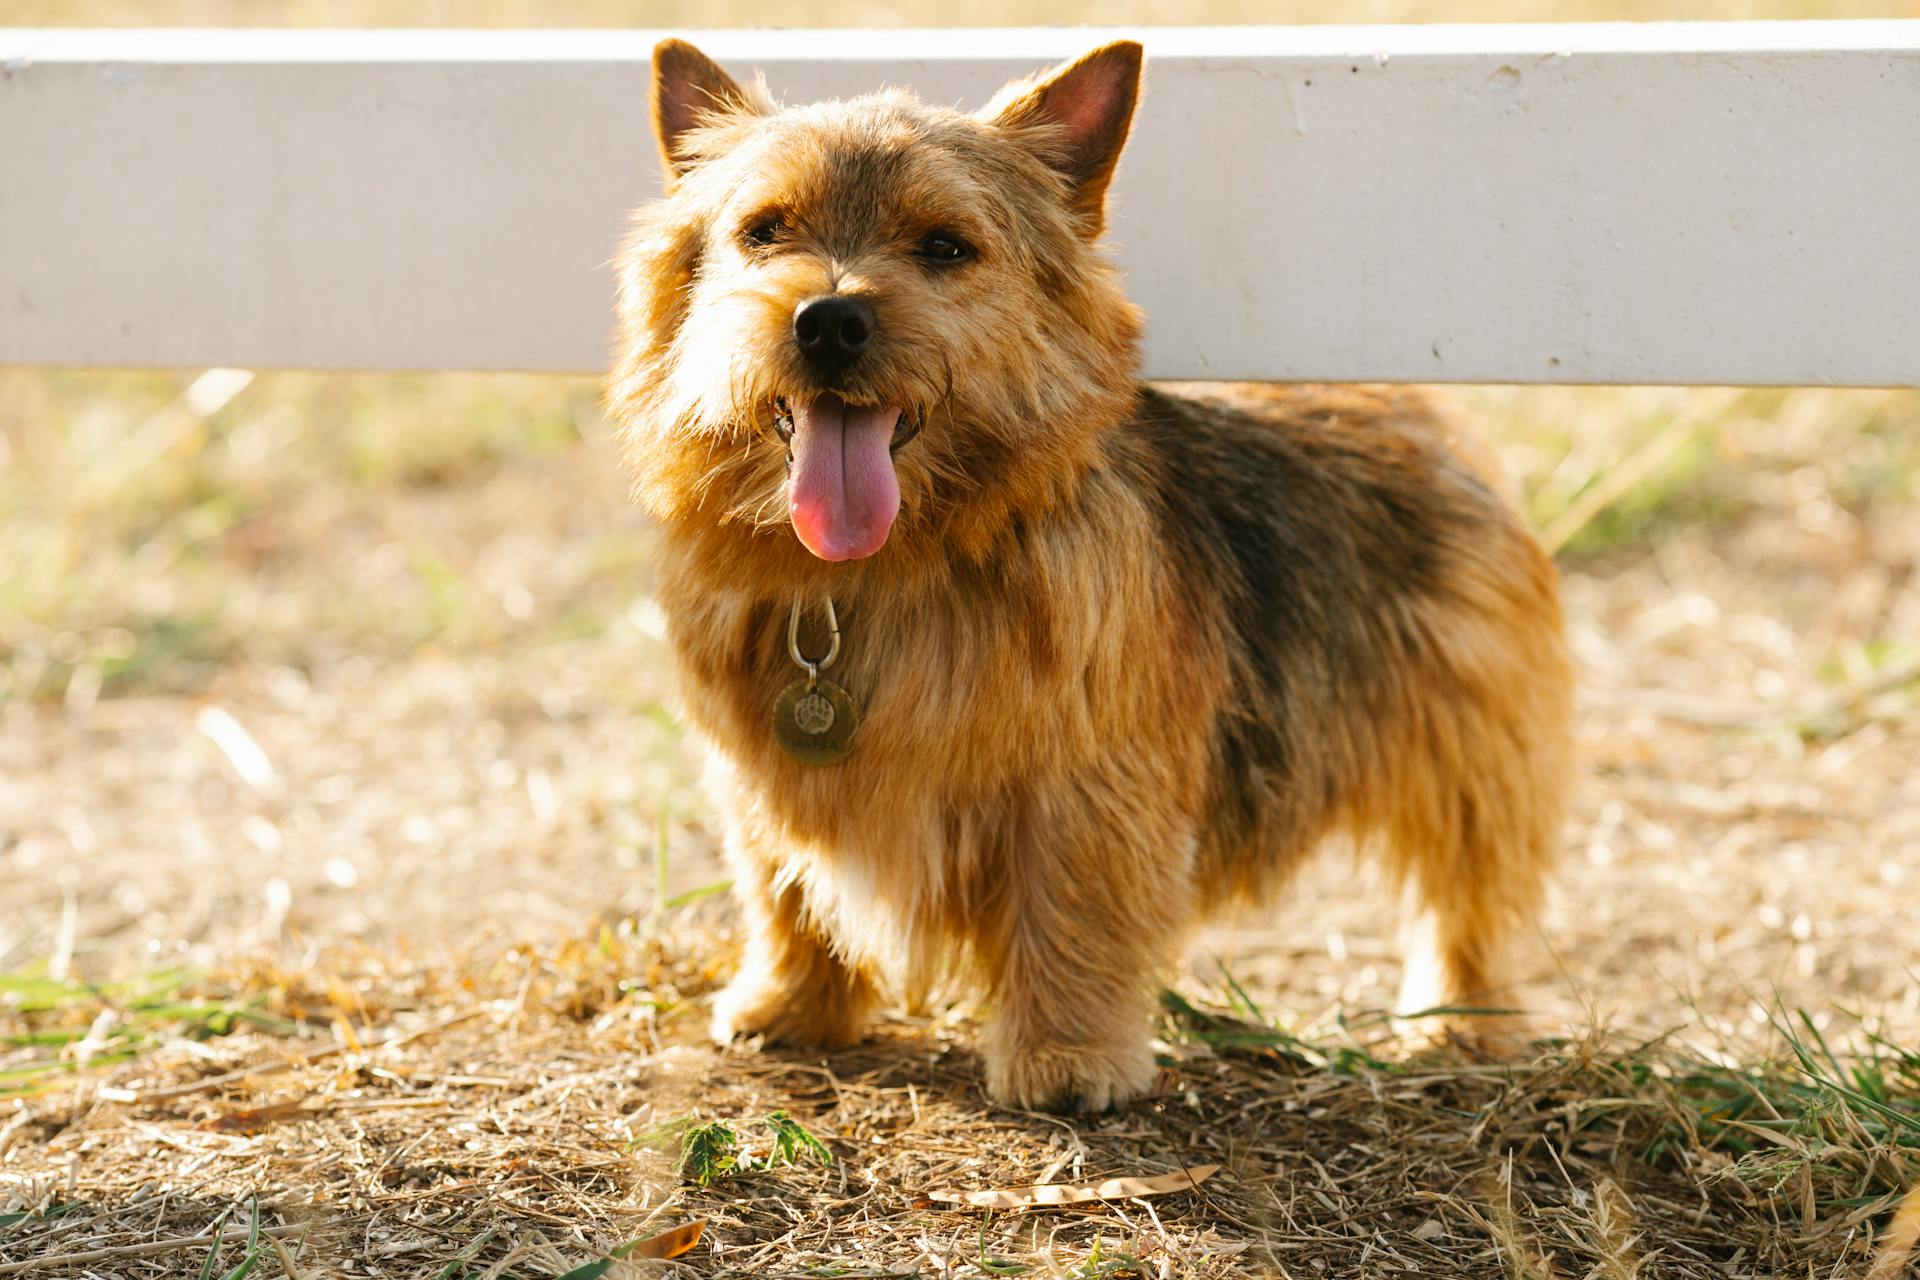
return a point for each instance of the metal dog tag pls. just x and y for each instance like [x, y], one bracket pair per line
[814, 720]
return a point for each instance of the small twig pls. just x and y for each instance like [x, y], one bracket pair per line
[390, 1040]
[61, 963]
[1688, 709]
[1605, 491]
[11, 1129]
[380, 1104]
[131, 1251]
[286, 1259]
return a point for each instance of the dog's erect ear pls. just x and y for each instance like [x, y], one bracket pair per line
[1089, 104]
[688, 89]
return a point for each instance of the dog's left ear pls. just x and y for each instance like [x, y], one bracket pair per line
[1082, 111]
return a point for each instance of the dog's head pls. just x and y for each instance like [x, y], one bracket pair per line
[850, 310]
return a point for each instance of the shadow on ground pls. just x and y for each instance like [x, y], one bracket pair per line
[526, 1116]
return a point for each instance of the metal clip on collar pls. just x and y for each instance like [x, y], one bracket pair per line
[813, 669]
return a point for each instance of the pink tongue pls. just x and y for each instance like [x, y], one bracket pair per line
[844, 494]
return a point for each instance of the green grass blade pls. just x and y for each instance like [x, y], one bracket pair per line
[1806, 1020]
[590, 1271]
[1240, 993]
[248, 1263]
[213, 1255]
[459, 1264]
[692, 896]
[792, 1140]
[708, 1152]
[594, 1270]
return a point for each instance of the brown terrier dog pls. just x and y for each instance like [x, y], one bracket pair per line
[1114, 655]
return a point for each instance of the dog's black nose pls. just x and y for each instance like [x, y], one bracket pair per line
[832, 331]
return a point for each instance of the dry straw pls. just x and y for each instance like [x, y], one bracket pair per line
[524, 1116]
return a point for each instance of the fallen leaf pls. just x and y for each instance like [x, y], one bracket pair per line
[670, 1243]
[257, 1119]
[1080, 1192]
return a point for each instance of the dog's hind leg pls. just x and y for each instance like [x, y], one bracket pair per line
[1470, 893]
[1474, 821]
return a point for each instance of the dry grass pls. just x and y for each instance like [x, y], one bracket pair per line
[389, 874]
[354, 887]
[520, 1115]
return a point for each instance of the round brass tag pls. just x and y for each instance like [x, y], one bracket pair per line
[814, 725]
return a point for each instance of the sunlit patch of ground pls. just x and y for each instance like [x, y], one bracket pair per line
[340, 805]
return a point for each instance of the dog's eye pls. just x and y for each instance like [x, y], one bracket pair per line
[764, 231]
[944, 248]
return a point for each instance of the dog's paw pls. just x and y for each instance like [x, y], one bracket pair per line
[1070, 1079]
[1491, 1037]
[756, 1004]
[1483, 1037]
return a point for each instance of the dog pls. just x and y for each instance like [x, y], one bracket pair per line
[1014, 667]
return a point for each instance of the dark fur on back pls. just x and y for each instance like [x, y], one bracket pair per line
[1321, 533]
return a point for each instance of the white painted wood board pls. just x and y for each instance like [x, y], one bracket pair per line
[1664, 203]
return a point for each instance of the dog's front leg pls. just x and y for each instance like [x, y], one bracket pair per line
[791, 986]
[1097, 890]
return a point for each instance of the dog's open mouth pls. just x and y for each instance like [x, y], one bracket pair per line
[844, 495]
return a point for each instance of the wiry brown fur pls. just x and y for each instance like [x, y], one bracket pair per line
[1129, 652]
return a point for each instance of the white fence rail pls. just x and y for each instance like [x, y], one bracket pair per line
[1712, 203]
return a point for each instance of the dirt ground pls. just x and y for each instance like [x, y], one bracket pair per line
[412, 776]
[442, 797]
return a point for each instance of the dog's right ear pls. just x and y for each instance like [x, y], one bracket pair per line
[689, 89]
